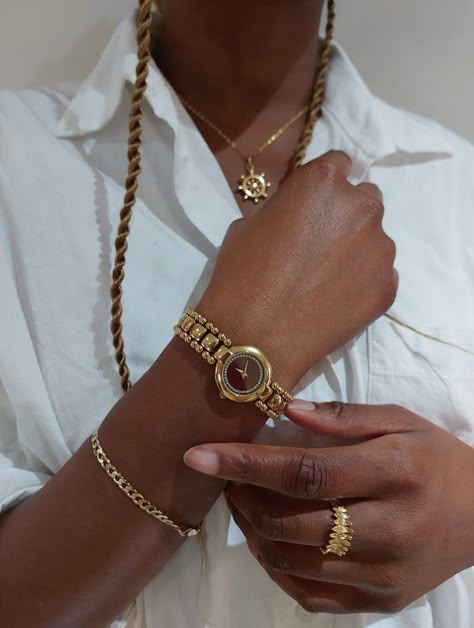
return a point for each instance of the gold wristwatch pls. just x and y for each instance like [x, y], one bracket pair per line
[242, 373]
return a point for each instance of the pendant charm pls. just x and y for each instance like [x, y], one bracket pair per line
[253, 186]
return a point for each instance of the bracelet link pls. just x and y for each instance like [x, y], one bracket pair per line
[216, 348]
[133, 494]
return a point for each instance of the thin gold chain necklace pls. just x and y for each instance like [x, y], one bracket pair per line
[252, 186]
[144, 24]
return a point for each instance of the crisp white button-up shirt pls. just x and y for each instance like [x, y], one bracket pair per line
[62, 164]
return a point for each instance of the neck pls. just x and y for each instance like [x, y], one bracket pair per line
[237, 59]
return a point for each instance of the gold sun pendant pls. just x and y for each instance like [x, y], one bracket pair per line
[253, 186]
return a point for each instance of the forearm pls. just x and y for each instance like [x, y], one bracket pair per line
[81, 549]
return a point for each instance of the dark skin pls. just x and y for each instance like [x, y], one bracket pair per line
[407, 485]
[79, 546]
[248, 81]
[391, 583]
[43, 541]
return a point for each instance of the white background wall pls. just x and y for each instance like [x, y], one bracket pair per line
[418, 54]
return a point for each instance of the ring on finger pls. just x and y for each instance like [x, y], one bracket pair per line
[340, 536]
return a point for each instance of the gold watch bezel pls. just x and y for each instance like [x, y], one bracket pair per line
[244, 398]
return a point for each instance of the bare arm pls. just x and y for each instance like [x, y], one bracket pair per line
[297, 279]
[81, 549]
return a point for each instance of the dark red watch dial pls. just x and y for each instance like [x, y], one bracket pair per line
[243, 373]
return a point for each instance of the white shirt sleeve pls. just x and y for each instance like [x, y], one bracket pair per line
[17, 479]
[20, 475]
[22, 472]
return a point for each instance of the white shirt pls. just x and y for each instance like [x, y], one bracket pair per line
[62, 163]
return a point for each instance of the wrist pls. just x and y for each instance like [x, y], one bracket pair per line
[250, 324]
[242, 372]
[241, 320]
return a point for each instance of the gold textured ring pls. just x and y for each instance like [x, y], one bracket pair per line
[341, 532]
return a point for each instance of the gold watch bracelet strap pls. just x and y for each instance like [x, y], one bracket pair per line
[213, 345]
[132, 493]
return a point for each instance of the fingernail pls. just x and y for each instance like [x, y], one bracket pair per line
[301, 405]
[202, 459]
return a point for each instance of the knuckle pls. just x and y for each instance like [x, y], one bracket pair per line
[268, 524]
[236, 224]
[310, 605]
[373, 208]
[271, 558]
[402, 419]
[388, 289]
[326, 169]
[234, 228]
[278, 563]
[399, 470]
[238, 466]
[388, 579]
[407, 542]
[400, 543]
[344, 411]
[409, 461]
[334, 606]
[308, 477]
[389, 295]
[391, 249]
[395, 409]
[392, 605]
[339, 409]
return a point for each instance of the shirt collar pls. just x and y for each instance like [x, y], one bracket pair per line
[375, 128]
[99, 97]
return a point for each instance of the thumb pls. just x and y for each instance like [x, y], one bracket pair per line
[351, 421]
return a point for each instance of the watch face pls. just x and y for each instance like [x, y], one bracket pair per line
[243, 373]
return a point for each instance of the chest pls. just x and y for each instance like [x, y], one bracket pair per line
[67, 305]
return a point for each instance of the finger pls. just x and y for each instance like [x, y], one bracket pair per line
[351, 420]
[305, 522]
[281, 518]
[340, 159]
[350, 471]
[280, 560]
[324, 597]
[299, 560]
[372, 189]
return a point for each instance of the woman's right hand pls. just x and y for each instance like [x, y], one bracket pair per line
[307, 272]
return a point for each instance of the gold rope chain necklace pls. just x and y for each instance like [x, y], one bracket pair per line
[143, 38]
[252, 186]
[134, 154]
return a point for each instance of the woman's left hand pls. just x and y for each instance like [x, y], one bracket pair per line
[407, 484]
